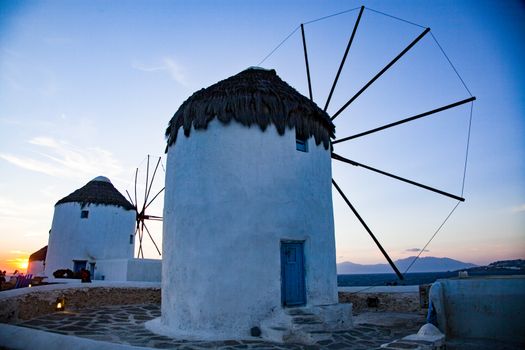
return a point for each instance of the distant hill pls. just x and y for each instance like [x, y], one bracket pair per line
[516, 266]
[424, 264]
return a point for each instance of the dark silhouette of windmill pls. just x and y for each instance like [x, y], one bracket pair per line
[141, 216]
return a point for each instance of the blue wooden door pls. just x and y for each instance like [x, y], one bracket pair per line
[292, 274]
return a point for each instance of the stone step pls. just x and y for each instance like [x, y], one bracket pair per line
[310, 319]
[316, 336]
[276, 333]
[306, 333]
[306, 325]
[297, 311]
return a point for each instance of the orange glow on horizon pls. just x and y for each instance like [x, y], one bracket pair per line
[11, 264]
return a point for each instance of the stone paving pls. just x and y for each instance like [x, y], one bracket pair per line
[125, 324]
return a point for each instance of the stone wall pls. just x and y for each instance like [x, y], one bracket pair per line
[40, 302]
[391, 302]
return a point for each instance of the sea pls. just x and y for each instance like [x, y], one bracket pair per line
[410, 279]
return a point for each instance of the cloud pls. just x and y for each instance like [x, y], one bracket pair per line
[30, 164]
[176, 71]
[18, 252]
[45, 141]
[415, 250]
[62, 159]
[169, 65]
[518, 209]
[17, 210]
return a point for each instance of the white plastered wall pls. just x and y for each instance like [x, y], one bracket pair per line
[35, 267]
[105, 234]
[145, 270]
[233, 193]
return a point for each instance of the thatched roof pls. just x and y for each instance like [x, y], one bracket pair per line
[99, 191]
[39, 255]
[254, 96]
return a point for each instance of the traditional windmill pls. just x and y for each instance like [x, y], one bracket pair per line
[248, 216]
[92, 224]
[248, 221]
[37, 262]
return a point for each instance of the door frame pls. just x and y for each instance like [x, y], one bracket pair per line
[303, 270]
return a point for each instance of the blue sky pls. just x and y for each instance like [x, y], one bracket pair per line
[87, 89]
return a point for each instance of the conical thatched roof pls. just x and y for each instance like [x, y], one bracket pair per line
[39, 255]
[99, 191]
[254, 96]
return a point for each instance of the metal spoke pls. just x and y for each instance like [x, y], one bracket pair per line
[344, 58]
[152, 179]
[146, 187]
[137, 230]
[381, 72]
[131, 200]
[147, 205]
[346, 160]
[406, 120]
[136, 174]
[141, 234]
[151, 237]
[307, 65]
[394, 267]
[151, 217]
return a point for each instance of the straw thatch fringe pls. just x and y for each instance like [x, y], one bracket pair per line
[98, 193]
[39, 255]
[254, 96]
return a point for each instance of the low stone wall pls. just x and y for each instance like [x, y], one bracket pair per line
[377, 301]
[27, 303]
[482, 307]
[38, 301]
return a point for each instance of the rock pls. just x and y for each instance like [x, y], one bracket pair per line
[255, 332]
[429, 334]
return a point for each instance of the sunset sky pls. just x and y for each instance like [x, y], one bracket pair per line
[87, 89]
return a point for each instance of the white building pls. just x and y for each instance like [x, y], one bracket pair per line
[248, 220]
[36, 263]
[93, 228]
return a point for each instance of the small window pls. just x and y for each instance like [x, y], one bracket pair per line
[130, 239]
[301, 144]
[84, 214]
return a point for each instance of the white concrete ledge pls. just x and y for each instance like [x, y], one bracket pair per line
[76, 285]
[484, 307]
[111, 284]
[380, 289]
[22, 338]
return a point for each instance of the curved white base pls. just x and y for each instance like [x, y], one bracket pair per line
[157, 327]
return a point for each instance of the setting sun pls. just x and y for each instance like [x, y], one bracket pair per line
[16, 263]
[23, 264]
